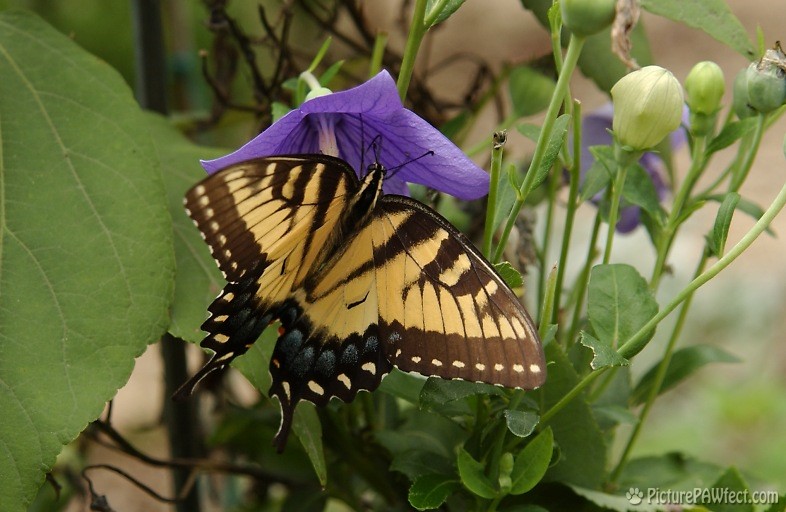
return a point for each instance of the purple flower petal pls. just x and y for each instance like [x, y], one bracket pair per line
[370, 112]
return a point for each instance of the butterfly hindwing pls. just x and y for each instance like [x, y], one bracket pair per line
[445, 311]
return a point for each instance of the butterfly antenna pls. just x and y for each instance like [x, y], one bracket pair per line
[393, 170]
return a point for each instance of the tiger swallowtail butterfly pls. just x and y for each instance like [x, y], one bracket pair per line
[360, 282]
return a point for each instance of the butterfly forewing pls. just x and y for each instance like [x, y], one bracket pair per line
[267, 222]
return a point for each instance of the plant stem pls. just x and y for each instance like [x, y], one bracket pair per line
[377, 53]
[417, 29]
[571, 58]
[739, 175]
[625, 160]
[583, 280]
[660, 376]
[666, 239]
[570, 214]
[497, 150]
[639, 340]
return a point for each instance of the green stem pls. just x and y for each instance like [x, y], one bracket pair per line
[377, 53]
[571, 58]
[624, 160]
[417, 30]
[497, 150]
[583, 280]
[660, 376]
[551, 205]
[666, 239]
[570, 214]
[739, 175]
[639, 340]
[546, 311]
[434, 13]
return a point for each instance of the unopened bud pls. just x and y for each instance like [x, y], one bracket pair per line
[704, 88]
[587, 17]
[647, 107]
[767, 81]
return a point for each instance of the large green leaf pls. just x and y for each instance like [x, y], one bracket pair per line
[712, 16]
[198, 279]
[581, 443]
[86, 258]
[619, 303]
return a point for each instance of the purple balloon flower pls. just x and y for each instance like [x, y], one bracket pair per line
[594, 129]
[344, 124]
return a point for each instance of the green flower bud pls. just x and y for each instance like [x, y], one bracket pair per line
[587, 17]
[647, 107]
[704, 87]
[319, 91]
[767, 81]
[739, 102]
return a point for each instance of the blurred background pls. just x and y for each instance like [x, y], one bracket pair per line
[727, 413]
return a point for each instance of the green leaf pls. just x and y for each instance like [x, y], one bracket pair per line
[552, 149]
[613, 502]
[745, 206]
[198, 280]
[683, 364]
[416, 463]
[730, 484]
[327, 76]
[668, 471]
[731, 133]
[510, 275]
[619, 303]
[600, 172]
[529, 130]
[473, 476]
[716, 239]
[711, 16]
[639, 190]
[447, 10]
[581, 443]
[532, 462]
[603, 355]
[424, 431]
[406, 386]
[439, 391]
[521, 423]
[530, 91]
[612, 415]
[430, 491]
[86, 253]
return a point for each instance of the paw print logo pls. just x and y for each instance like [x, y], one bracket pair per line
[634, 495]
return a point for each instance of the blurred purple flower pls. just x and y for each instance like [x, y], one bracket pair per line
[343, 124]
[594, 130]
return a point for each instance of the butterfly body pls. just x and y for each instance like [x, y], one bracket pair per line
[359, 281]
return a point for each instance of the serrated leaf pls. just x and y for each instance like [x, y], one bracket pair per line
[619, 303]
[473, 476]
[198, 280]
[716, 239]
[604, 356]
[532, 462]
[684, 363]
[430, 491]
[521, 423]
[713, 17]
[510, 275]
[730, 133]
[576, 433]
[530, 91]
[86, 253]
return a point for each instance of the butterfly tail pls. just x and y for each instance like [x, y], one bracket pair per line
[187, 389]
[287, 413]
